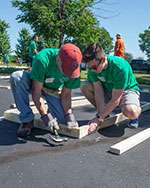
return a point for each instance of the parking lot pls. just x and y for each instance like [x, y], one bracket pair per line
[37, 162]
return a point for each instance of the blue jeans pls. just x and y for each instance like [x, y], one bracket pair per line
[21, 86]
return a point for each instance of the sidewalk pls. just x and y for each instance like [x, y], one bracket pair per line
[15, 67]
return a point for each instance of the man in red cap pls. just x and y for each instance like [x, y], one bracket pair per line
[54, 74]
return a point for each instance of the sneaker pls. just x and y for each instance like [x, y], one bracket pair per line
[134, 123]
[25, 129]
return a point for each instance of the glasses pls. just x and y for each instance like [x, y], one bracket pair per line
[94, 67]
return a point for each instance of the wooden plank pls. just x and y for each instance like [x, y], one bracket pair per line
[76, 101]
[13, 115]
[79, 132]
[130, 142]
[118, 118]
[78, 98]
[4, 87]
[145, 107]
[79, 103]
[5, 77]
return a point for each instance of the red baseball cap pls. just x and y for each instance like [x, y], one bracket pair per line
[71, 57]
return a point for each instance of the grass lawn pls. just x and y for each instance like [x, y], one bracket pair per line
[12, 67]
[142, 78]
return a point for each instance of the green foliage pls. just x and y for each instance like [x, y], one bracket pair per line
[128, 57]
[106, 41]
[64, 21]
[5, 47]
[144, 42]
[42, 43]
[22, 48]
[142, 78]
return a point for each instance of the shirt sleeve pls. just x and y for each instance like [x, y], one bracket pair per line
[38, 71]
[72, 83]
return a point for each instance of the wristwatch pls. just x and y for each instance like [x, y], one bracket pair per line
[99, 118]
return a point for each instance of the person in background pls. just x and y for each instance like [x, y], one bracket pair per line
[32, 50]
[6, 60]
[110, 81]
[20, 61]
[119, 46]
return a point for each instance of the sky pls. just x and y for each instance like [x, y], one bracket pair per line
[131, 19]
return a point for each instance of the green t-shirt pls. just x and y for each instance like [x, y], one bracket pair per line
[6, 58]
[32, 46]
[47, 72]
[118, 75]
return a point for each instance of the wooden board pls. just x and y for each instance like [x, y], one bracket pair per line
[130, 142]
[13, 115]
[79, 132]
[4, 87]
[76, 101]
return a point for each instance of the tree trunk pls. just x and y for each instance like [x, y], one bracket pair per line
[61, 37]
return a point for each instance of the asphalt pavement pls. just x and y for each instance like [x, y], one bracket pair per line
[36, 162]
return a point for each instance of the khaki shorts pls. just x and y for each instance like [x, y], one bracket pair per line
[128, 97]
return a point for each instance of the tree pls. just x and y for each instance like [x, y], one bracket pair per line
[144, 42]
[5, 47]
[22, 48]
[128, 57]
[61, 21]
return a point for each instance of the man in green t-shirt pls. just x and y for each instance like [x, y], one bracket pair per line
[54, 74]
[111, 81]
[33, 49]
[6, 60]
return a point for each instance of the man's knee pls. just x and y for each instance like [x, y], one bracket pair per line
[131, 111]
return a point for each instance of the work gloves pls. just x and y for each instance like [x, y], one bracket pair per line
[50, 122]
[71, 121]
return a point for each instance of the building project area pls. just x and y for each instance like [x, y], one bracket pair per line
[74, 94]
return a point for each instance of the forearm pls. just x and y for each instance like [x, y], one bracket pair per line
[66, 103]
[99, 100]
[66, 100]
[39, 103]
[109, 108]
[35, 51]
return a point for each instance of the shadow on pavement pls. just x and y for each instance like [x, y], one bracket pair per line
[8, 131]
[8, 136]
